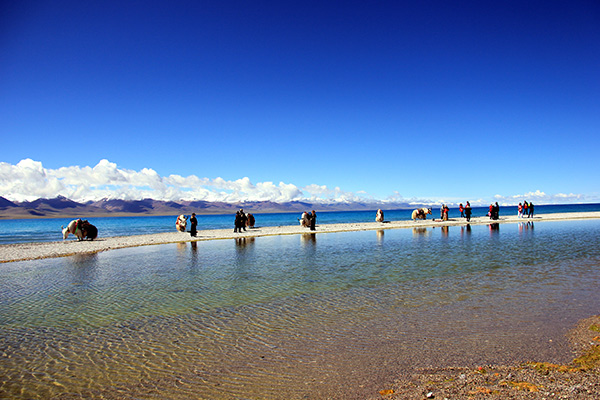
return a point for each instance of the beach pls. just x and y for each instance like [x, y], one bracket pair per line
[33, 251]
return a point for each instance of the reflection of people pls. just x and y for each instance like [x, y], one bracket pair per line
[379, 216]
[313, 220]
[468, 211]
[194, 223]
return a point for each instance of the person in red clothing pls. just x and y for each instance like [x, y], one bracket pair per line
[462, 210]
[520, 208]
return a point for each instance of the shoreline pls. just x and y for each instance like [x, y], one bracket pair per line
[40, 250]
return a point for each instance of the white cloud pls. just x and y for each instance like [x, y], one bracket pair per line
[29, 180]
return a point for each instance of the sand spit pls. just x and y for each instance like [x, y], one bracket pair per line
[32, 251]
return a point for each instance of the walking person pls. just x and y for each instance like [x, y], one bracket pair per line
[530, 210]
[468, 211]
[313, 220]
[194, 223]
[520, 209]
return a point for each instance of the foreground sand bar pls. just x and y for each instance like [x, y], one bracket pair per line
[32, 251]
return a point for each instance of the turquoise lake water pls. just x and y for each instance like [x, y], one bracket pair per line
[295, 316]
[48, 229]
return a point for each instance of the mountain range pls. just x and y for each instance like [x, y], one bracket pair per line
[62, 207]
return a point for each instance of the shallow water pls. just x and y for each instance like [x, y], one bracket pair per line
[300, 316]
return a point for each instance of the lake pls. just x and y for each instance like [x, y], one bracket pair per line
[335, 315]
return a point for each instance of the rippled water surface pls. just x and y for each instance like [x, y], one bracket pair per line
[299, 316]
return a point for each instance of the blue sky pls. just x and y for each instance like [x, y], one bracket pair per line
[436, 100]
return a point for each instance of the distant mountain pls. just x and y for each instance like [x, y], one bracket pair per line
[4, 204]
[63, 207]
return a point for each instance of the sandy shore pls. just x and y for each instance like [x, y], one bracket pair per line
[32, 251]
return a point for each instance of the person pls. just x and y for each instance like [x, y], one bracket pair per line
[525, 208]
[194, 223]
[496, 211]
[313, 220]
[243, 220]
[237, 222]
[491, 211]
[530, 210]
[520, 209]
[445, 212]
[379, 216]
[251, 221]
[462, 210]
[442, 211]
[468, 211]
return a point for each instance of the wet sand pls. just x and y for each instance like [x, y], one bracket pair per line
[33, 251]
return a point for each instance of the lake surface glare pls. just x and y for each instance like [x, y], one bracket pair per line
[336, 315]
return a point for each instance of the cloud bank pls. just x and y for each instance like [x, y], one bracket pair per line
[28, 180]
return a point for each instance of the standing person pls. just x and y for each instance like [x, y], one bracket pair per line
[194, 223]
[520, 211]
[468, 212]
[491, 211]
[237, 222]
[525, 208]
[445, 212]
[243, 220]
[496, 211]
[530, 210]
[462, 210]
[442, 211]
[313, 220]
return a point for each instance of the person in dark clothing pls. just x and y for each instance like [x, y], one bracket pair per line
[238, 222]
[313, 220]
[243, 220]
[496, 211]
[468, 211]
[530, 210]
[194, 223]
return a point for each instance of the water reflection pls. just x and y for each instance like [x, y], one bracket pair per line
[309, 239]
[445, 231]
[380, 234]
[525, 227]
[83, 269]
[494, 228]
[465, 229]
[420, 231]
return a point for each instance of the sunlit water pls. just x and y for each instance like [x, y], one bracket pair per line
[335, 315]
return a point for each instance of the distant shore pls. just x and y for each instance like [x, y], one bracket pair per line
[32, 251]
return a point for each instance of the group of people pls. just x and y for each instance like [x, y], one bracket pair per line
[525, 210]
[308, 220]
[243, 220]
[494, 212]
[465, 212]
